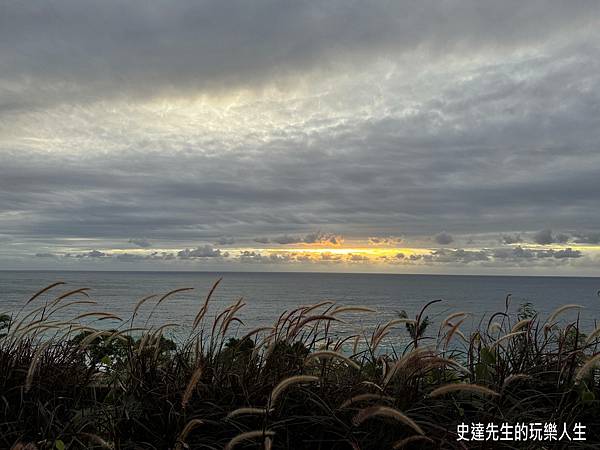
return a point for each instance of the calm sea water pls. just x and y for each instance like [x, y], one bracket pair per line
[267, 295]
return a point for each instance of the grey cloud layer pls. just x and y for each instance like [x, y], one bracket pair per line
[53, 52]
[470, 157]
[492, 127]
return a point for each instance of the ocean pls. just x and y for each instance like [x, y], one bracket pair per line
[267, 295]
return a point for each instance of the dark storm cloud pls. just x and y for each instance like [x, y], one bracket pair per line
[71, 49]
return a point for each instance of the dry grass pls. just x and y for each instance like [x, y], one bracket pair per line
[460, 387]
[69, 379]
[285, 384]
[385, 411]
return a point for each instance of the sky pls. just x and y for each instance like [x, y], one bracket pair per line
[454, 136]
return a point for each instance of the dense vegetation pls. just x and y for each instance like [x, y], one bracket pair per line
[293, 385]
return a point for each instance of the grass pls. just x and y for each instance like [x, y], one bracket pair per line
[294, 385]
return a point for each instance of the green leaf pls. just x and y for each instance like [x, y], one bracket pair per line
[59, 445]
[105, 360]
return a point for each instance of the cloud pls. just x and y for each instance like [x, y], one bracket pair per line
[560, 254]
[311, 238]
[285, 239]
[443, 238]
[328, 256]
[232, 200]
[226, 241]
[248, 256]
[525, 253]
[206, 251]
[459, 255]
[543, 237]
[241, 120]
[385, 240]
[546, 237]
[45, 255]
[131, 257]
[94, 254]
[515, 253]
[80, 51]
[140, 242]
[511, 239]
[323, 238]
[587, 238]
[139, 257]
[498, 257]
[567, 253]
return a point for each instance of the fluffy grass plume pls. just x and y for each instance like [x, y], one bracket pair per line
[281, 387]
[329, 354]
[385, 411]
[463, 387]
